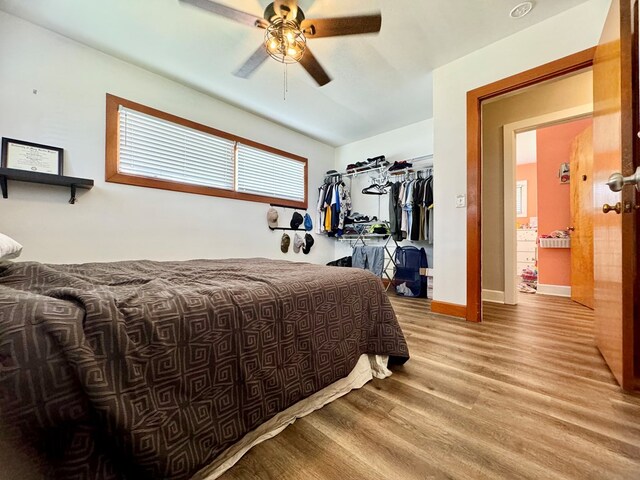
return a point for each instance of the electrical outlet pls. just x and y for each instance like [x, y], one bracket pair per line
[461, 201]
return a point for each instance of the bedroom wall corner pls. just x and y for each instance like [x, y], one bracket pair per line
[119, 222]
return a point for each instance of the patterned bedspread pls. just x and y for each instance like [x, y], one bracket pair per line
[152, 369]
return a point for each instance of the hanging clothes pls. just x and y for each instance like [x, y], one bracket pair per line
[319, 223]
[395, 212]
[334, 205]
[418, 190]
[369, 258]
[407, 207]
[345, 207]
[327, 208]
[411, 209]
[430, 209]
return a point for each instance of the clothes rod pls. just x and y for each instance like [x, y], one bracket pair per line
[421, 158]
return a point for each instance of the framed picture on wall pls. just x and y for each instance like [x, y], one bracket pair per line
[32, 157]
[564, 173]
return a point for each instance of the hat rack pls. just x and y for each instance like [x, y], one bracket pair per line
[287, 229]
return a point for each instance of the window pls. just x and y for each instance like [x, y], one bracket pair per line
[149, 148]
[265, 173]
[521, 198]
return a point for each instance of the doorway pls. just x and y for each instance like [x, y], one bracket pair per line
[548, 218]
[546, 110]
[616, 174]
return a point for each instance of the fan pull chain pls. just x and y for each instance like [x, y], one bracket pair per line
[286, 82]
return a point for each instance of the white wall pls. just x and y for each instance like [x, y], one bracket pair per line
[117, 222]
[574, 30]
[412, 141]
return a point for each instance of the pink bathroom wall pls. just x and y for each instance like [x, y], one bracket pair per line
[554, 208]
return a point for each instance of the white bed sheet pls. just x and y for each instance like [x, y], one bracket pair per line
[368, 367]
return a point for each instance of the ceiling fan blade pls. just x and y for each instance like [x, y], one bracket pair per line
[252, 64]
[231, 13]
[287, 9]
[311, 65]
[334, 27]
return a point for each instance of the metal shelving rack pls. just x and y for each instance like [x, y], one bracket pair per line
[390, 248]
[365, 237]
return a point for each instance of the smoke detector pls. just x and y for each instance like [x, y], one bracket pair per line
[521, 10]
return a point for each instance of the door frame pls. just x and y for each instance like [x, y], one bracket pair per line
[572, 63]
[510, 131]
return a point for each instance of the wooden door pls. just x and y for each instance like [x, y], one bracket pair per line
[582, 212]
[615, 260]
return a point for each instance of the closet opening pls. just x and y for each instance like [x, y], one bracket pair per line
[537, 212]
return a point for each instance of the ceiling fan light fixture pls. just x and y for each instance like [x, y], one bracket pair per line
[284, 41]
[521, 10]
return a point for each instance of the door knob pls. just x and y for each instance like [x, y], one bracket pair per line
[617, 181]
[606, 208]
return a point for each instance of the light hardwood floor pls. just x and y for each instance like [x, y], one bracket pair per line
[523, 395]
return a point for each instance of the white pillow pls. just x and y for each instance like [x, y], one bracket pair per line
[9, 248]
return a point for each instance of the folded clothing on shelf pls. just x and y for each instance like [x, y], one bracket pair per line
[349, 230]
[379, 229]
[370, 163]
[401, 165]
[356, 217]
[358, 166]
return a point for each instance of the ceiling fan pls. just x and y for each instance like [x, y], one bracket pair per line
[287, 31]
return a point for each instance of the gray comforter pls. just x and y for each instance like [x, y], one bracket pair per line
[151, 369]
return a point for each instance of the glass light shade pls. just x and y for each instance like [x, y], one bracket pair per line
[285, 42]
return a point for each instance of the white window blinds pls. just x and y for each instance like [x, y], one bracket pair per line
[265, 173]
[156, 148]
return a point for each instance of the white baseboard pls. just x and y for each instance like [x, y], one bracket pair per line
[493, 296]
[556, 290]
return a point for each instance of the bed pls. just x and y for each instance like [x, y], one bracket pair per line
[174, 369]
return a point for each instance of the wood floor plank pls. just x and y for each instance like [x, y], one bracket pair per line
[524, 395]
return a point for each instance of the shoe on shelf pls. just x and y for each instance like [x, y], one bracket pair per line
[376, 160]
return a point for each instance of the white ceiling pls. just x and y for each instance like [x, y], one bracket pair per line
[380, 82]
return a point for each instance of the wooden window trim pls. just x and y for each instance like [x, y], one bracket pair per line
[112, 155]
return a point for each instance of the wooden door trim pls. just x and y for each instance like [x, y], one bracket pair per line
[451, 309]
[572, 63]
[635, 324]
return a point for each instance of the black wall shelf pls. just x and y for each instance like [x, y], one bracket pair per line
[43, 178]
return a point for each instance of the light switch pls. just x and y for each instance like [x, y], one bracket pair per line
[461, 201]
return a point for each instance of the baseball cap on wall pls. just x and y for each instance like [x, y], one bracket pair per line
[308, 243]
[298, 243]
[284, 243]
[272, 217]
[308, 224]
[296, 220]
